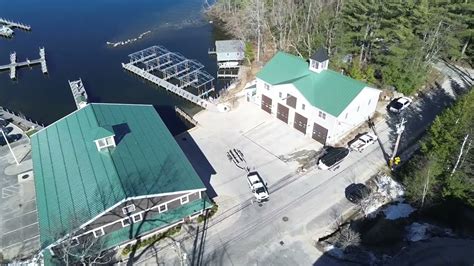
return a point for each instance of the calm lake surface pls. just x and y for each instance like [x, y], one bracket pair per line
[74, 34]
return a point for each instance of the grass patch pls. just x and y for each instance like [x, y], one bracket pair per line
[31, 132]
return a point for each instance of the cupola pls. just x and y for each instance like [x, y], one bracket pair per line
[319, 61]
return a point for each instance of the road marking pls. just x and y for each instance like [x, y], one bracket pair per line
[6, 233]
[10, 191]
[21, 242]
[20, 215]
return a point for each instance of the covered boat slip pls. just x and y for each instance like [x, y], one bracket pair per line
[174, 68]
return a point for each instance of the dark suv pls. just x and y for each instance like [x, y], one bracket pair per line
[332, 156]
[355, 193]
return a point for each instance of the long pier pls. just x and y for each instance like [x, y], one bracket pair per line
[172, 67]
[14, 64]
[79, 93]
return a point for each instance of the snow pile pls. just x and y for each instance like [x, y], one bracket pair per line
[400, 210]
[389, 187]
[417, 232]
[387, 190]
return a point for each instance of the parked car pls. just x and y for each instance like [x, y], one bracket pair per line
[362, 141]
[259, 189]
[355, 193]
[332, 157]
[399, 104]
[10, 138]
[7, 130]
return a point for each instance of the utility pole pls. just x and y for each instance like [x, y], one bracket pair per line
[400, 129]
[9, 147]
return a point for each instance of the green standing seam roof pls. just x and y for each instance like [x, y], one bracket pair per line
[75, 182]
[328, 90]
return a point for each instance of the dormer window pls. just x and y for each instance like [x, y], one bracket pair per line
[105, 143]
[104, 137]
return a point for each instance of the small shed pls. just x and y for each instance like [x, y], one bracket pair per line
[230, 50]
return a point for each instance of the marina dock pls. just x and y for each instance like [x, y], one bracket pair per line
[12, 24]
[173, 72]
[14, 64]
[6, 27]
[79, 93]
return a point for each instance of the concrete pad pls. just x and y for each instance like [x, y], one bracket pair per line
[19, 230]
[11, 238]
[262, 139]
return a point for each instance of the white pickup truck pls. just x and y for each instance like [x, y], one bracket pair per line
[362, 142]
[259, 189]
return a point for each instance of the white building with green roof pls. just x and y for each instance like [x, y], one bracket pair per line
[114, 173]
[318, 102]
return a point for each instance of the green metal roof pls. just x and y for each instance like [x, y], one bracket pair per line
[75, 182]
[328, 90]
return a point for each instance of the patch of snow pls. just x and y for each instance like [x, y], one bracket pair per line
[400, 210]
[387, 190]
[334, 251]
[389, 187]
[417, 232]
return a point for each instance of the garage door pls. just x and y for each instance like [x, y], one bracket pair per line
[267, 104]
[300, 123]
[282, 113]
[319, 133]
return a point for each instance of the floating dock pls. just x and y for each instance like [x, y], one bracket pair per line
[14, 64]
[79, 93]
[6, 28]
[173, 72]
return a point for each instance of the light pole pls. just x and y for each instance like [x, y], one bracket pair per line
[9, 147]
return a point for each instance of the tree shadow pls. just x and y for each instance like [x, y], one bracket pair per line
[198, 160]
[418, 117]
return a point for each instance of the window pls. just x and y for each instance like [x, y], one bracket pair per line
[370, 101]
[322, 115]
[98, 232]
[280, 95]
[126, 222]
[266, 86]
[163, 208]
[314, 64]
[291, 100]
[102, 143]
[128, 209]
[347, 115]
[137, 217]
[74, 242]
[105, 142]
[358, 108]
[184, 199]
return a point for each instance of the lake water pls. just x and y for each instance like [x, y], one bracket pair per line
[74, 34]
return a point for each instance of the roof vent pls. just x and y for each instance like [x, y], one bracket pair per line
[104, 138]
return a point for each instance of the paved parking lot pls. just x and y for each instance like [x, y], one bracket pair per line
[18, 221]
[269, 146]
